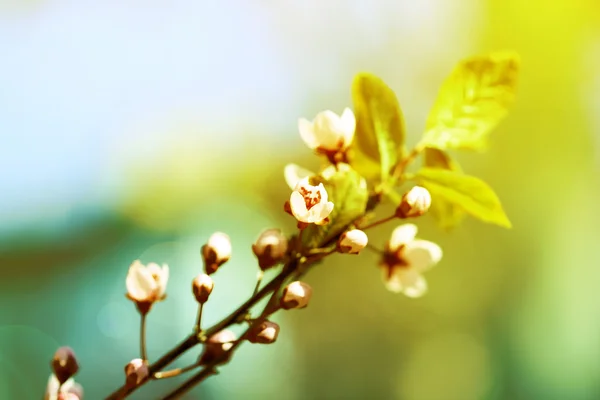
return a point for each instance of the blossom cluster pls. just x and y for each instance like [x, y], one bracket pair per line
[405, 257]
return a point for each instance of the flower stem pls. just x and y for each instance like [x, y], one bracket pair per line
[374, 249]
[381, 221]
[193, 339]
[143, 337]
[175, 372]
[210, 369]
[401, 167]
[259, 278]
[199, 318]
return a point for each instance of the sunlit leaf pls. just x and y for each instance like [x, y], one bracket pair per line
[472, 101]
[447, 214]
[380, 135]
[348, 192]
[468, 193]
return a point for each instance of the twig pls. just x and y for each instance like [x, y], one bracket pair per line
[376, 223]
[193, 339]
[199, 318]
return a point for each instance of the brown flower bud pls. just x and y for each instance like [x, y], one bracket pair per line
[217, 346]
[64, 364]
[414, 203]
[202, 286]
[216, 252]
[270, 248]
[135, 372]
[266, 333]
[296, 295]
[352, 241]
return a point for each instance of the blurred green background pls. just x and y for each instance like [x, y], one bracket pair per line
[136, 129]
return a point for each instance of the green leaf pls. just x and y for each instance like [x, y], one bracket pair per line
[448, 215]
[379, 140]
[472, 101]
[348, 192]
[470, 194]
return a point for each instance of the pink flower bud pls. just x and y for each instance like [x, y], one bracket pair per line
[415, 203]
[217, 346]
[216, 252]
[296, 295]
[64, 364]
[202, 286]
[135, 372]
[266, 332]
[353, 241]
[270, 248]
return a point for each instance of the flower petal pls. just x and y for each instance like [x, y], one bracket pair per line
[139, 282]
[391, 280]
[417, 289]
[154, 269]
[328, 132]
[348, 123]
[298, 206]
[422, 254]
[319, 212]
[323, 193]
[407, 281]
[53, 384]
[307, 133]
[162, 281]
[294, 173]
[402, 235]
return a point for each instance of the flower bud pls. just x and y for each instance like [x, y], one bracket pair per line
[266, 333]
[296, 295]
[64, 364]
[216, 252]
[202, 286]
[414, 203]
[217, 346]
[352, 242]
[135, 372]
[270, 248]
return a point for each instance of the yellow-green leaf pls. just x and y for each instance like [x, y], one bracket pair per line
[472, 101]
[348, 192]
[447, 214]
[380, 135]
[469, 193]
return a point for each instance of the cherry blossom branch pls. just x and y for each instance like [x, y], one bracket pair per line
[194, 339]
[211, 368]
[379, 222]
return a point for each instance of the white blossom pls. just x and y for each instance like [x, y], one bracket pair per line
[52, 391]
[147, 283]
[328, 131]
[309, 203]
[294, 173]
[406, 259]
